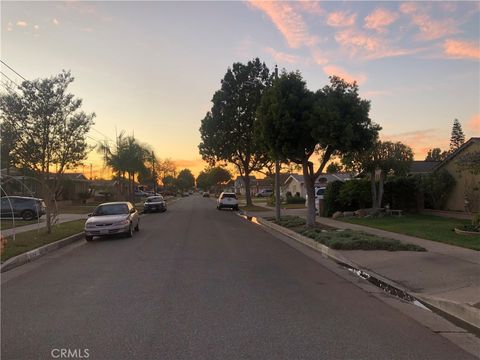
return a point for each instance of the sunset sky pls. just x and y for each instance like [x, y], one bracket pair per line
[151, 68]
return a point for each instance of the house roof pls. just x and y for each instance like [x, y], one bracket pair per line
[296, 177]
[422, 167]
[454, 154]
[75, 176]
[330, 177]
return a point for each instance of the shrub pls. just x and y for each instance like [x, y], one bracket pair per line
[271, 201]
[288, 194]
[290, 221]
[331, 199]
[295, 200]
[355, 194]
[436, 188]
[401, 193]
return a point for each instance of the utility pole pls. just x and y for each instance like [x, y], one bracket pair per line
[91, 172]
[277, 175]
[154, 177]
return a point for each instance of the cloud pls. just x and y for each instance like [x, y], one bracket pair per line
[461, 49]
[359, 44]
[318, 57]
[379, 19]
[341, 19]
[282, 57]
[331, 70]
[22, 23]
[289, 22]
[474, 124]
[376, 93]
[36, 27]
[311, 7]
[430, 29]
[87, 29]
[420, 141]
[55, 22]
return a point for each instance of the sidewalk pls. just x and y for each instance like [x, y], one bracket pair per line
[42, 223]
[444, 274]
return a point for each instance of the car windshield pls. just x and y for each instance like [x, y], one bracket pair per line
[155, 199]
[111, 209]
[321, 191]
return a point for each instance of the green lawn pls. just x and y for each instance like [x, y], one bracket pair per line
[429, 227]
[30, 240]
[8, 223]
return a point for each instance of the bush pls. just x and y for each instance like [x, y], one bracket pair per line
[288, 194]
[271, 201]
[295, 199]
[401, 193]
[331, 199]
[436, 188]
[355, 194]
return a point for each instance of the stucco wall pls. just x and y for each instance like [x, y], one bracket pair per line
[467, 184]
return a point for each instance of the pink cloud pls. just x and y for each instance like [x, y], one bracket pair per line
[22, 23]
[369, 47]
[282, 57]
[331, 70]
[461, 49]
[420, 141]
[474, 124]
[379, 19]
[288, 21]
[318, 57]
[341, 19]
[430, 29]
[311, 7]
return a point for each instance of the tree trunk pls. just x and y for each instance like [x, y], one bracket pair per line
[278, 200]
[248, 195]
[309, 180]
[48, 203]
[380, 190]
[374, 190]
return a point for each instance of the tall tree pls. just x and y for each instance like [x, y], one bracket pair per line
[382, 159]
[457, 137]
[49, 129]
[436, 154]
[185, 180]
[297, 123]
[227, 131]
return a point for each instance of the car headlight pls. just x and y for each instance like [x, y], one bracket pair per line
[123, 222]
[89, 225]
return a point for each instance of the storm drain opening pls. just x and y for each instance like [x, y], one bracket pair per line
[389, 289]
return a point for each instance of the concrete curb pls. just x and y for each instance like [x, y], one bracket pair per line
[34, 254]
[463, 312]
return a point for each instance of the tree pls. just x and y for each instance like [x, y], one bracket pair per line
[49, 129]
[204, 181]
[334, 167]
[169, 183]
[436, 154]
[166, 167]
[227, 131]
[185, 180]
[457, 138]
[382, 159]
[297, 123]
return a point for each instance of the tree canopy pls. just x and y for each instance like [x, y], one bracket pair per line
[296, 123]
[227, 131]
[457, 137]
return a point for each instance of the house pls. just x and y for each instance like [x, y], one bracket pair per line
[239, 185]
[467, 185]
[72, 186]
[21, 182]
[422, 167]
[295, 184]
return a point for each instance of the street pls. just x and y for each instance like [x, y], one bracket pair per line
[198, 283]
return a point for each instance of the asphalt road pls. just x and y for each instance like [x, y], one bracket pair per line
[198, 283]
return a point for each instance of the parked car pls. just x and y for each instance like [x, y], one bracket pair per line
[28, 208]
[265, 193]
[319, 194]
[227, 200]
[206, 194]
[154, 203]
[111, 219]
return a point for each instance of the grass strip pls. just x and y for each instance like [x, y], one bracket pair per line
[33, 239]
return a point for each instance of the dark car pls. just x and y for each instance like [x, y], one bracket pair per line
[154, 203]
[28, 208]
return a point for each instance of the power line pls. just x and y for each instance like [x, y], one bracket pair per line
[4, 63]
[1, 72]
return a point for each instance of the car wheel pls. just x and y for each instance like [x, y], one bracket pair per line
[130, 231]
[89, 238]
[235, 208]
[137, 228]
[28, 215]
